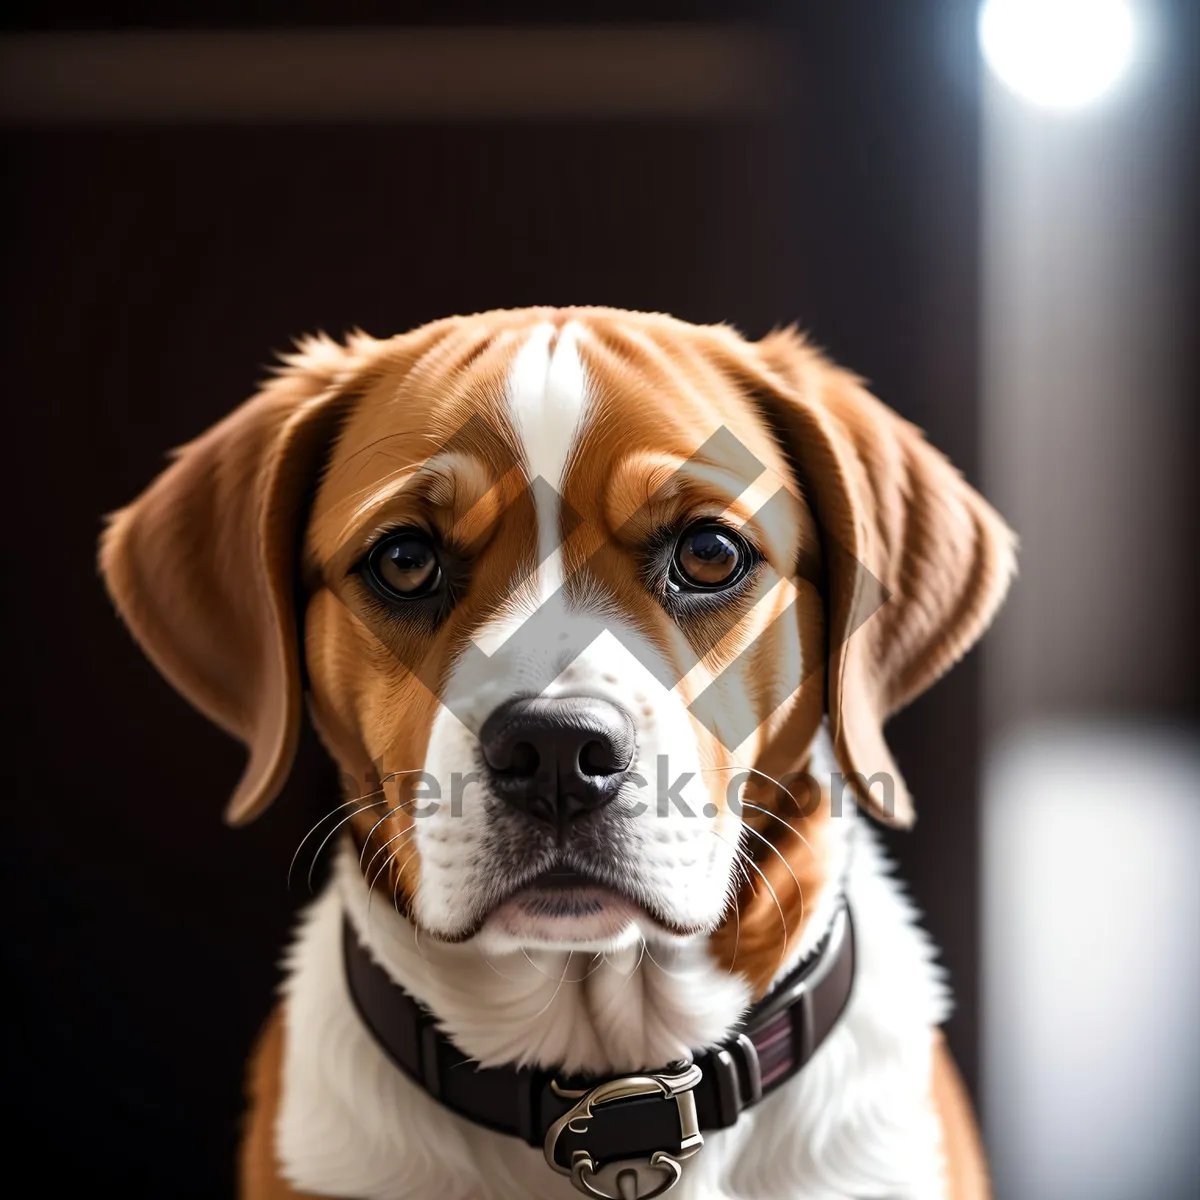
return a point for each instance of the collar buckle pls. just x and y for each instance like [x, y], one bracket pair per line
[594, 1174]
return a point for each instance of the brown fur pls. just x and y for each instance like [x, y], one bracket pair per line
[258, 1168]
[966, 1167]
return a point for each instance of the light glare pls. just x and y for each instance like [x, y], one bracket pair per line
[1057, 53]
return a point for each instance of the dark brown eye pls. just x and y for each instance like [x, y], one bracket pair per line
[710, 557]
[405, 566]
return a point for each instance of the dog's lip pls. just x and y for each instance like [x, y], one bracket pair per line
[564, 902]
[565, 879]
[568, 881]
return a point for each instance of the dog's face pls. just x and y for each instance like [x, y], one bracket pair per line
[576, 590]
[516, 563]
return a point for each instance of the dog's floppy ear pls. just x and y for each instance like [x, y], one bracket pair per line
[916, 561]
[201, 566]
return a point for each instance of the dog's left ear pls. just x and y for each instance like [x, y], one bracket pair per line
[201, 565]
[916, 561]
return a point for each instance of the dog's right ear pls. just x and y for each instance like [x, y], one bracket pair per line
[899, 524]
[201, 566]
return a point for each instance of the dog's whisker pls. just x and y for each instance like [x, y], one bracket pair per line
[386, 779]
[597, 963]
[375, 792]
[396, 888]
[665, 970]
[587, 974]
[383, 866]
[325, 841]
[637, 966]
[313, 829]
[391, 812]
[778, 907]
[558, 988]
[770, 778]
[417, 942]
[320, 821]
[787, 866]
[534, 965]
[381, 849]
[382, 787]
[496, 969]
[777, 817]
[766, 883]
[412, 853]
[597, 960]
[737, 915]
[346, 804]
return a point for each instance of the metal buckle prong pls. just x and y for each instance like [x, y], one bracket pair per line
[668, 1164]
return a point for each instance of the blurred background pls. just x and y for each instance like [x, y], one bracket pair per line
[991, 215]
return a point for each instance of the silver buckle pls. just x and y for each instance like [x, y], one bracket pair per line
[624, 1175]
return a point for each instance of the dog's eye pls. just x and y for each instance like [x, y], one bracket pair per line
[404, 566]
[709, 557]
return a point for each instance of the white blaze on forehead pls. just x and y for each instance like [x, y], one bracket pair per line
[547, 399]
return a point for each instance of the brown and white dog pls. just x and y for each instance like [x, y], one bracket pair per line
[728, 565]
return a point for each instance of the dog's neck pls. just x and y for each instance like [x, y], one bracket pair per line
[647, 1004]
[855, 1121]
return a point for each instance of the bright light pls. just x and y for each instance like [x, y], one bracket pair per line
[1057, 53]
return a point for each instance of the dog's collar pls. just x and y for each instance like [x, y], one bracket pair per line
[615, 1133]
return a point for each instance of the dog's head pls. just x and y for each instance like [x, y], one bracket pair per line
[572, 594]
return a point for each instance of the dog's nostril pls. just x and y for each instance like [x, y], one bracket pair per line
[523, 761]
[599, 758]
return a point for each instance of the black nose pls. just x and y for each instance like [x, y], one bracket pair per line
[557, 758]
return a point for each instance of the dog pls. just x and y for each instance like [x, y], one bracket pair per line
[600, 615]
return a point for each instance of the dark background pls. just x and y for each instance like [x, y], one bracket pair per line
[151, 271]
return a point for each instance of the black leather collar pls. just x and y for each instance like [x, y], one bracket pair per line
[617, 1133]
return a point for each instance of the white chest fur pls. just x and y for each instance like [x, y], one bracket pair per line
[856, 1122]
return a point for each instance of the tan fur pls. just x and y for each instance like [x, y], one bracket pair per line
[966, 1166]
[258, 1166]
[351, 439]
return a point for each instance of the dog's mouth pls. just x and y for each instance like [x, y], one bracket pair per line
[569, 907]
[563, 906]
[564, 893]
